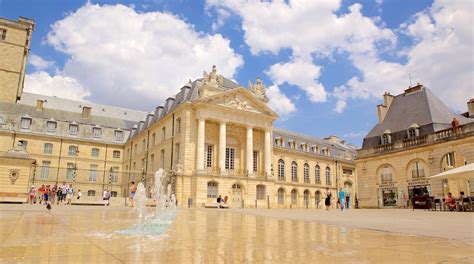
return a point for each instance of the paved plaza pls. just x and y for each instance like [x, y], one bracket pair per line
[83, 234]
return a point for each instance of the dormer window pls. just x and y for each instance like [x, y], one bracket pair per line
[325, 151]
[291, 144]
[279, 141]
[96, 132]
[304, 146]
[386, 137]
[118, 135]
[51, 126]
[73, 129]
[413, 131]
[25, 123]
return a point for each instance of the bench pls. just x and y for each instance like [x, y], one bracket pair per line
[13, 199]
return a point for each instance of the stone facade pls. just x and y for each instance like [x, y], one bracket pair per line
[214, 137]
[390, 170]
[15, 38]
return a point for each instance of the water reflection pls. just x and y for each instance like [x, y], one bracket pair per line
[211, 236]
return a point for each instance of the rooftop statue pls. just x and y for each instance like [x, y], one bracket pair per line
[258, 89]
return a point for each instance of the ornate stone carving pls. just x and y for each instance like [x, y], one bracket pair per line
[239, 103]
[14, 174]
[212, 82]
[258, 89]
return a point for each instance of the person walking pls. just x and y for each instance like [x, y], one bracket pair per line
[342, 195]
[32, 194]
[70, 194]
[327, 201]
[41, 191]
[63, 193]
[106, 197]
[348, 199]
[79, 194]
[133, 190]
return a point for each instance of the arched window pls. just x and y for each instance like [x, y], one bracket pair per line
[261, 192]
[212, 190]
[294, 197]
[328, 176]
[306, 197]
[294, 171]
[281, 196]
[317, 198]
[317, 174]
[306, 173]
[281, 170]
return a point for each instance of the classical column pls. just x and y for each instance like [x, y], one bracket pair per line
[222, 146]
[268, 154]
[249, 150]
[201, 135]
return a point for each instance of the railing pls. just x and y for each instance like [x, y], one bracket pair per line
[442, 135]
[414, 141]
[383, 148]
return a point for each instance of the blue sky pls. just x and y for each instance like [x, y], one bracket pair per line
[326, 64]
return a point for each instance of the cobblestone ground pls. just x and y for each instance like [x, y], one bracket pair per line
[80, 234]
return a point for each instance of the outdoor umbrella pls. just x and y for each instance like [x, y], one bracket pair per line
[465, 172]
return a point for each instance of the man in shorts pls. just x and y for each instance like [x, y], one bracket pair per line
[133, 190]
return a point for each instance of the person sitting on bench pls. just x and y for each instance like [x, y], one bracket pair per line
[450, 202]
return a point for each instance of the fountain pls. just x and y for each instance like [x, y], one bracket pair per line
[157, 222]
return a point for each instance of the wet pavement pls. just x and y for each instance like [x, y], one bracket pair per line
[76, 234]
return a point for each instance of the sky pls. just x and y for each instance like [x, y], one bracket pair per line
[326, 64]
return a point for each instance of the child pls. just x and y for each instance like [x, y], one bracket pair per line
[79, 194]
[32, 195]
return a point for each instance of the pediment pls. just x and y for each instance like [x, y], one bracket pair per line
[239, 99]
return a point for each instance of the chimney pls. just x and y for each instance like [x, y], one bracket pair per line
[39, 105]
[470, 108]
[86, 112]
[413, 89]
[387, 99]
[382, 109]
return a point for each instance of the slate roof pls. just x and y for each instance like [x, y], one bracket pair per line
[187, 93]
[421, 107]
[72, 106]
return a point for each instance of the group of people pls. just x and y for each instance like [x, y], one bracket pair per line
[221, 201]
[343, 201]
[50, 195]
[454, 204]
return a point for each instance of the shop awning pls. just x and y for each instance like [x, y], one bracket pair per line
[464, 172]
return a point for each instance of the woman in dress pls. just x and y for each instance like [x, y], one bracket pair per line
[327, 201]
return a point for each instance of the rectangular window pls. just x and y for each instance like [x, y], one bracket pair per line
[73, 129]
[118, 135]
[153, 137]
[114, 174]
[418, 170]
[162, 159]
[261, 192]
[45, 169]
[347, 171]
[95, 152]
[70, 171]
[163, 133]
[229, 158]
[178, 125]
[24, 144]
[152, 162]
[2, 120]
[450, 159]
[3, 32]
[177, 158]
[25, 123]
[212, 190]
[209, 153]
[144, 145]
[93, 173]
[48, 148]
[72, 151]
[51, 126]
[255, 161]
[97, 132]
[116, 154]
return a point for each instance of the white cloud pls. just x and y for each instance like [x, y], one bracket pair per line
[279, 102]
[441, 58]
[308, 28]
[65, 87]
[301, 74]
[116, 52]
[39, 63]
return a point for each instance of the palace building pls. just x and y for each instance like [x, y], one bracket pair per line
[214, 137]
[413, 140]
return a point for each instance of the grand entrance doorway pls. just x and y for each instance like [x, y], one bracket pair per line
[236, 196]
